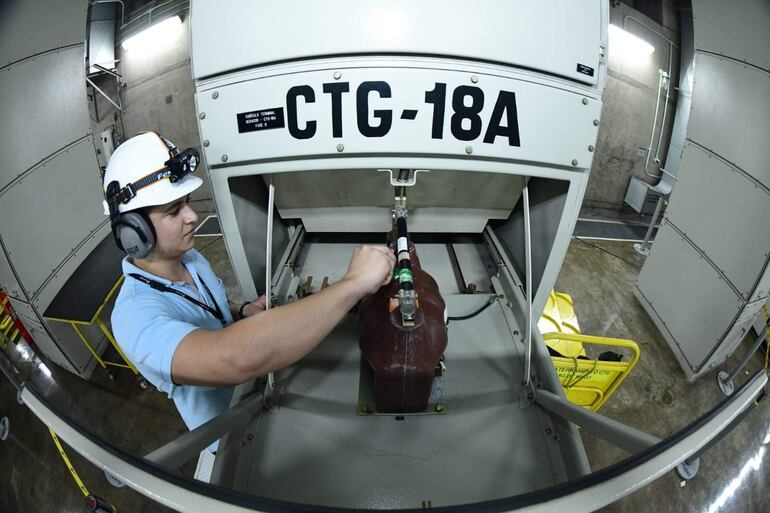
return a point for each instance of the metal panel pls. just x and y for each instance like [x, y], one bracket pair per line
[687, 296]
[44, 296]
[555, 124]
[40, 233]
[554, 206]
[718, 22]
[101, 44]
[738, 243]
[44, 96]
[554, 36]
[41, 336]
[483, 410]
[29, 27]
[8, 282]
[730, 106]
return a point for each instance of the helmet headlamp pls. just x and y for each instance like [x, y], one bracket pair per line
[177, 167]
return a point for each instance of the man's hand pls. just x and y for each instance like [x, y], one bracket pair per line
[370, 268]
[255, 307]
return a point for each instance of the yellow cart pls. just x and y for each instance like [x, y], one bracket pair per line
[587, 382]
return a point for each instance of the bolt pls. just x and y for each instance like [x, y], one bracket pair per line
[439, 407]
[224, 158]
[206, 143]
[574, 162]
[474, 79]
[250, 437]
[215, 95]
[468, 150]
[548, 431]
[590, 147]
[585, 101]
[202, 115]
[363, 408]
[337, 75]
[340, 148]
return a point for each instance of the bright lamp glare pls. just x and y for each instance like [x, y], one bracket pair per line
[628, 44]
[155, 36]
[44, 369]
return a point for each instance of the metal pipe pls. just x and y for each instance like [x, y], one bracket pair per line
[724, 380]
[104, 94]
[654, 125]
[585, 496]
[643, 248]
[629, 17]
[269, 263]
[618, 434]
[109, 72]
[528, 274]
[663, 122]
[671, 46]
[189, 445]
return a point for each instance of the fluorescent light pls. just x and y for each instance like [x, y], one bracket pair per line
[44, 369]
[22, 348]
[628, 44]
[156, 35]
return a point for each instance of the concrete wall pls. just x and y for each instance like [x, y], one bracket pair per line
[158, 95]
[629, 109]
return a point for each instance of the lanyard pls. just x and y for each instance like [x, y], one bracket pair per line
[216, 312]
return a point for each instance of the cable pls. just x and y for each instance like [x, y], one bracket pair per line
[491, 300]
[609, 252]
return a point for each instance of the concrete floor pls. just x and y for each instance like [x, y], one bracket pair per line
[655, 398]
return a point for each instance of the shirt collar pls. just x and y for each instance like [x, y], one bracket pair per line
[129, 267]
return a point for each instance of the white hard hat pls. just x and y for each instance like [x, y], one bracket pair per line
[137, 158]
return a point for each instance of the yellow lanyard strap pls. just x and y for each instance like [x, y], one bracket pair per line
[68, 463]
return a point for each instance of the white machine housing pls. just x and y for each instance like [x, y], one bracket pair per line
[326, 102]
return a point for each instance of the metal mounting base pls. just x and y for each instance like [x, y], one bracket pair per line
[642, 248]
[727, 387]
[687, 470]
[114, 481]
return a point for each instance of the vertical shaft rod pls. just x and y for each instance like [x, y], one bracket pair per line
[528, 261]
[269, 263]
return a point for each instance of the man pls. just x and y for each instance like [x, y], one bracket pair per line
[172, 317]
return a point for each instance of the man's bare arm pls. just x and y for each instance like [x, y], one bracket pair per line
[277, 338]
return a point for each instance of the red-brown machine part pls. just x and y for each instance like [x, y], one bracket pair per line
[403, 359]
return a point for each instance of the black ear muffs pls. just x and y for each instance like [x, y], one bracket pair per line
[134, 234]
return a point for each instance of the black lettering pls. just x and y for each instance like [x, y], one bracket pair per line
[437, 97]
[506, 103]
[336, 89]
[470, 112]
[362, 109]
[291, 111]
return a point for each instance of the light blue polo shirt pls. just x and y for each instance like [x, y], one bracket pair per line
[149, 325]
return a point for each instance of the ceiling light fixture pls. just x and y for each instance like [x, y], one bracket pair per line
[628, 44]
[156, 35]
